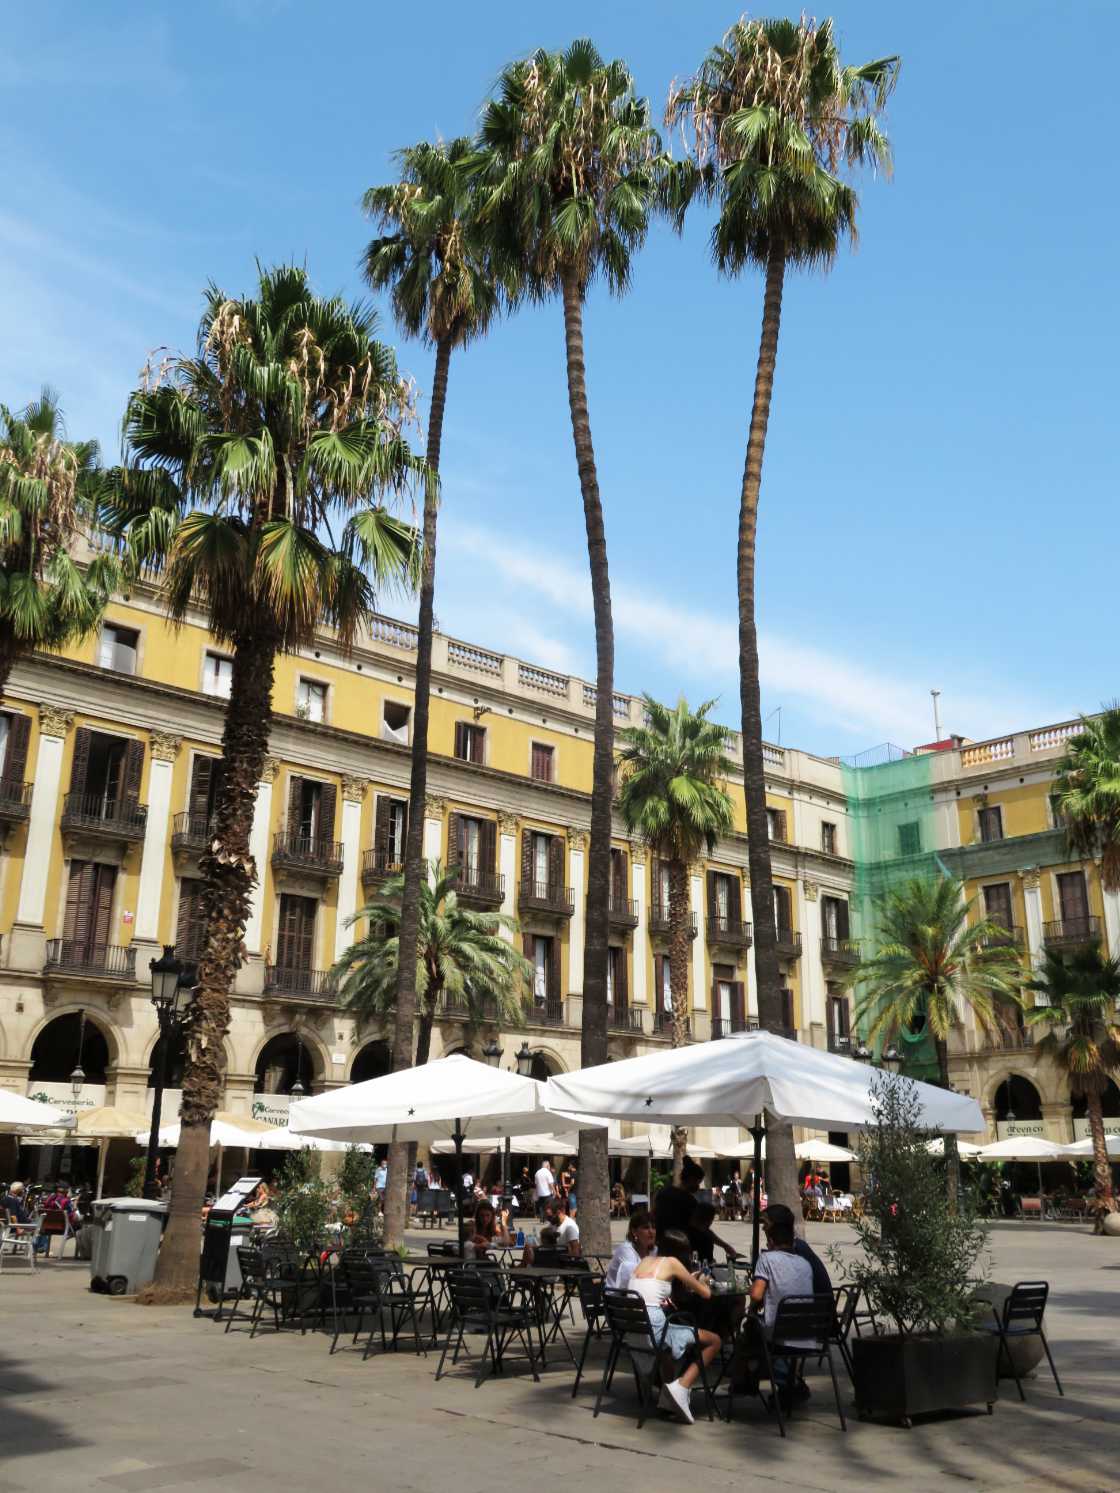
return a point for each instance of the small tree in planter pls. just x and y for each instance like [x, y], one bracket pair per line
[304, 1206]
[918, 1268]
[360, 1211]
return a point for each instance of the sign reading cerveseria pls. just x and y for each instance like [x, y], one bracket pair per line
[1081, 1127]
[90, 1096]
[271, 1109]
[1015, 1129]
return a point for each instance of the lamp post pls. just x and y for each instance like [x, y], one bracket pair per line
[78, 1076]
[524, 1060]
[297, 1090]
[492, 1053]
[167, 990]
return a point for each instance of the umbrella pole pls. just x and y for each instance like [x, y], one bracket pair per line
[102, 1151]
[505, 1170]
[457, 1137]
[758, 1130]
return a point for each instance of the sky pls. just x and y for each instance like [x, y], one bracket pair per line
[938, 504]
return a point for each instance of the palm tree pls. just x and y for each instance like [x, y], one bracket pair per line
[934, 960]
[432, 258]
[673, 795]
[1088, 790]
[243, 460]
[774, 116]
[1079, 999]
[47, 504]
[572, 165]
[460, 954]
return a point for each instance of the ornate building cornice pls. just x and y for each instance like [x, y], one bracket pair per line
[53, 721]
[165, 746]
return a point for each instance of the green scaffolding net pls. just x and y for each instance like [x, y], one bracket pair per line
[892, 838]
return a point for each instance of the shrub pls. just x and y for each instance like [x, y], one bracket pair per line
[304, 1206]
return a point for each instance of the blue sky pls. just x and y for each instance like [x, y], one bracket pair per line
[940, 482]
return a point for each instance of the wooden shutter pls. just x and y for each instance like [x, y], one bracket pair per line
[454, 840]
[462, 741]
[713, 899]
[843, 928]
[554, 969]
[621, 988]
[101, 926]
[328, 800]
[188, 929]
[487, 845]
[381, 825]
[556, 865]
[782, 907]
[79, 770]
[15, 757]
[297, 927]
[295, 803]
[787, 1009]
[1072, 897]
[79, 901]
[527, 861]
[133, 770]
[620, 876]
[738, 1007]
[200, 800]
[735, 898]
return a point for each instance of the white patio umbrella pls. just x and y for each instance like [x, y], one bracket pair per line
[822, 1150]
[738, 1080]
[1082, 1149]
[965, 1149]
[1024, 1148]
[18, 1113]
[283, 1138]
[103, 1124]
[226, 1130]
[545, 1144]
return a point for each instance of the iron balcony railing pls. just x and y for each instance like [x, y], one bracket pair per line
[788, 943]
[191, 831]
[104, 961]
[1006, 937]
[624, 1018]
[663, 1025]
[659, 919]
[15, 801]
[548, 1012]
[731, 932]
[727, 1026]
[308, 984]
[455, 1006]
[1064, 932]
[546, 896]
[622, 912]
[116, 818]
[295, 851]
[840, 1043]
[379, 864]
[842, 951]
[480, 886]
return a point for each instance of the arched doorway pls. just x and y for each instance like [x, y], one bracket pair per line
[545, 1066]
[1110, 1109]
[176, 1062]
[1017, 1101]
[69, 1043]
[373, 1061]
[286, 1061]
[66, 1043]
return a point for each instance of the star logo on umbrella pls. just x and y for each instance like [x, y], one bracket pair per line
[412, 1111]
[649, 1102]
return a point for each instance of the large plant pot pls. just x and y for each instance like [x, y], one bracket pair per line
[1026, 1352]
[907, 1376]
[1110, 1224]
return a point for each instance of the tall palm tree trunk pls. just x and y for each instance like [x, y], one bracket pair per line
[594, 1175]
[781, 1164]
[399, 1180]
[952, 1150]
[679, 943]
[229, 875]
[1102, 1169]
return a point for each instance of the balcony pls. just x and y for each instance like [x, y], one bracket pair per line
[659, 921]
[841, 1043]
[293, 851]
[622, 912]
[483, 888]
[304, 984]
[1005, 938]
[546, 896]
[93, 815]
[787, 942]
[1072, 933]
[1006, 1039]
[548, 1012]
[455, 1006]
[105, 961]
[729, 933]
[724, 1026]
[663, 1025]
[15, 802]
[625, 1019]
[191, 832]
[379, 865]
[840, 953]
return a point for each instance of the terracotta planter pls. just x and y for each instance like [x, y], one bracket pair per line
[907, 1376]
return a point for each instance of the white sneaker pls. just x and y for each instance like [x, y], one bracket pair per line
[680, 1398]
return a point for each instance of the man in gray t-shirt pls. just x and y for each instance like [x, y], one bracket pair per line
[779, 1273]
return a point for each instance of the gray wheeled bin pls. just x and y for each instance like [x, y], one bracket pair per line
[126, 1235]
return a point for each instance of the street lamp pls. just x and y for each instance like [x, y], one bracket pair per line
[892, 1058]
[524, 1060]
[862, 1053]
[168, 986]
[492, 1053]
[78, 1076]
[297, 1089]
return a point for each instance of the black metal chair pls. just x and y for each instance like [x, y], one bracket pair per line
[400, 1298]
[265, 1287]
[632, 1333]
[355, 1291]
[481, 1307]
[803, 1329]
[845, 1304]
[1022, 1317]
[590, 1293]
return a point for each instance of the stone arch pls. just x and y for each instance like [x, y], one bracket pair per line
[98, 1025]
[152, 1041]
[547, 1063]
[1110, 1102]
[370, 1060]
[1018, 1094]
[277, 1060]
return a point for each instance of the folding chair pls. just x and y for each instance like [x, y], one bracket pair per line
[1022, 1317]
[803, 1328]
[480, 1306]
[632, 1333]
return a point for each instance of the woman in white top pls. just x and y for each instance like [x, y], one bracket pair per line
[641, 1240]
[653, 1281]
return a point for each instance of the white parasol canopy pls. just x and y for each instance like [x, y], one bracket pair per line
[545, 1144]
[18, 1113]
[282, 1138]
[965, 1148]
[226, 1130]
[1083, 1149]
[431, 1103]
[1023, 1148]
[821, 1151]
[732, 1081]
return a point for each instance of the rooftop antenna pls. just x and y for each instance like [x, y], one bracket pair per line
[936, 693]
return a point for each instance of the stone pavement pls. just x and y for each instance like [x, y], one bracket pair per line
[98, 1393]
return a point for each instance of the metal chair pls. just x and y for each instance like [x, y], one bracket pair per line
[480, 1306]
[400, 1298]
[266, 1288]
[355, 1290]
[803, 1328]
[1022, 1317]
[591, 1304]
[845, 1304]
[17, 1242]
[632, 1333]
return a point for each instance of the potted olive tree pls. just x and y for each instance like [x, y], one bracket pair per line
[918, 1267]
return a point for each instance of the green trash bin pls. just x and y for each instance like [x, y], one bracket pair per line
[126, 1235]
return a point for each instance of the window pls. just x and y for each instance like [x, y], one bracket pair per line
[470, 842]
[991, 824]
[105, 775]
[839, 1022]
[997, 904]
[723, 897]
[542, 957]
[783, 913]
[311, 809]
[542, 762]
[662, 897]
[311, 700]
[723, 980]
[295, 941]
[828, 837]
[470, 742]
[620, 891]
[910, 838]
[1073, 899]
[217, 675]
[206, 784]
[87, 921]
[396, 826]
[834, 921]
[776, 825]
[542, 849]
[190, 929]
[666, 985]
[788, 1019]
[15, 733]
[395, 719]
[118, 648]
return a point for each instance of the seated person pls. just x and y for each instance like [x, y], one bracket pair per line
[781, 1217]
[489, 1230]
[618, 1201]
[653, 1279]
[567, 1230]
[546, 1246]
[701, 1237]
[779, 1272]
[641, 1240]
[12, 1207]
